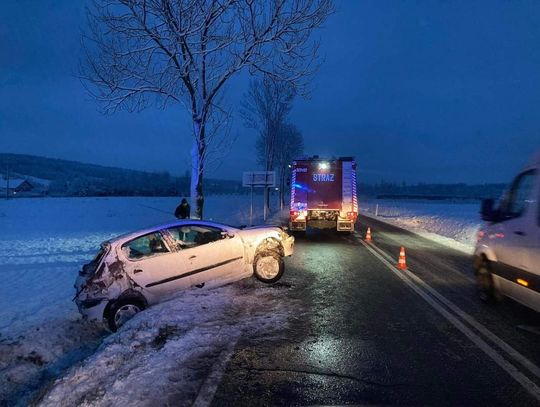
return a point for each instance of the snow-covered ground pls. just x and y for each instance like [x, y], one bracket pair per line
[163, 356]
[43, 243]
[453, 223]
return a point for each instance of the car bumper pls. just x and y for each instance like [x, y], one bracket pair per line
[92, 309]
[288, 246]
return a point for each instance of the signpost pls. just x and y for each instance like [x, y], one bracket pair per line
[258, 179]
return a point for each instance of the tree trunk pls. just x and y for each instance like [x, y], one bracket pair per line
[282, 189]
[197, 169]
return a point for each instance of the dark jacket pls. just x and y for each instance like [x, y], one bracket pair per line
[182, 211]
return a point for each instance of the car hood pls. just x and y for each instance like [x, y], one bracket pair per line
[264, 230]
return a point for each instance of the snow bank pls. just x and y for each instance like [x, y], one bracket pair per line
[453, 224]
[162, 356]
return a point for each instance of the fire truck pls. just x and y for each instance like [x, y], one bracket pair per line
[323, 194]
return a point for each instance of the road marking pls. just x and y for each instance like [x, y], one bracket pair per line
[210, 385]
[392, 236]
[415, 285]
[469, 319]
[530, 328]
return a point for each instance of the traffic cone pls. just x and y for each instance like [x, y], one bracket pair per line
[402, 262]
[368, 235]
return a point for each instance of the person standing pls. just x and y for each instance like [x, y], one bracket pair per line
[182, 210]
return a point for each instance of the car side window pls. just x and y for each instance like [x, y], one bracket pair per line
[144, 246]
[187, 236]
[514, 203]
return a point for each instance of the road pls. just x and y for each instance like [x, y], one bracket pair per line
[368, 334]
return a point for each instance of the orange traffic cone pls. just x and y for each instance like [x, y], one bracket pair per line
[402, 262]
[368, 235]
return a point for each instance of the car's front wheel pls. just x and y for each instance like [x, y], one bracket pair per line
[122, 311]
[268, 266]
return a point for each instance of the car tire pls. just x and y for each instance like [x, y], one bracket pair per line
[268, 266]
[123, 310]
[484, 283]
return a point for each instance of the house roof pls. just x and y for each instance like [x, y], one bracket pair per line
[13, 183]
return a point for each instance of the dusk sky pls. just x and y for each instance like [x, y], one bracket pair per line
[418, 91]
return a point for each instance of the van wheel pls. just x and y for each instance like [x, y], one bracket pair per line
[484, 283]
[122, 311]
[268, 266]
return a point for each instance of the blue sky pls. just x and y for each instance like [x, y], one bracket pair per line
[432, 91]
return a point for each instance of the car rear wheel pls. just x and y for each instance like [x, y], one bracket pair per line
[484, 282]
[268, 266]
[122, 311]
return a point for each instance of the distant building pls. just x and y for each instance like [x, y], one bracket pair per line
[15, 185]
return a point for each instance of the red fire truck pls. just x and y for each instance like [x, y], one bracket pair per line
[323, 194]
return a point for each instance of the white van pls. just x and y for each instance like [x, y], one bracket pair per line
[507, 255]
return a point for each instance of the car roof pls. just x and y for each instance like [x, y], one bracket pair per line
[132, 235]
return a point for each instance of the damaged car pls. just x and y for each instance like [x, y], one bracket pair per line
[136, 270]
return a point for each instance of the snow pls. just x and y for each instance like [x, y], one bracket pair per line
[163, 356]
[452, 223]
[43, 243]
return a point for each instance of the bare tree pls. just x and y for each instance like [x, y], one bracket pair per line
[265, 108]
[291, 146]
[142, 52]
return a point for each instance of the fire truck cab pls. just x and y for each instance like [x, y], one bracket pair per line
[323, 194]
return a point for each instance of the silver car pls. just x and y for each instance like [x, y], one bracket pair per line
[139, 269]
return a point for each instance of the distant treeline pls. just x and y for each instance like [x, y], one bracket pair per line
[72, 178]
[386, 190]
[54, 177]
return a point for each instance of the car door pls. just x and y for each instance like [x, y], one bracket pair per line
[212, 255]
[511, 235]
[155, 266]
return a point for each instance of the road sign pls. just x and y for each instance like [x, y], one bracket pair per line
[265, 179]
[259, 179]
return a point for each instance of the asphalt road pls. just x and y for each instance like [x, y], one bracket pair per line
[367, 334]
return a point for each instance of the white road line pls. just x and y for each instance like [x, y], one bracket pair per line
[518, 357]
[210, 385]
[523, 380]
[394, 238]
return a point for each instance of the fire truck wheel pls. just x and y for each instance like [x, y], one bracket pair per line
[268, 266]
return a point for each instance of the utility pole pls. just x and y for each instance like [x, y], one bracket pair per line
[7, 182]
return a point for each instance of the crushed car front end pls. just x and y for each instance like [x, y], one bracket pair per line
[261, 235]
[94, 285]
[287, 242]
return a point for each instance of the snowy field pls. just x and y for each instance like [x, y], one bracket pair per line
[46, 241]
[43, 243]
[47, 351]
[453, 223]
